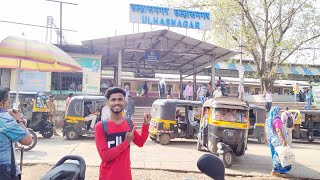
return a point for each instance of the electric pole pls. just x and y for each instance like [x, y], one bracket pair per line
[60, 41]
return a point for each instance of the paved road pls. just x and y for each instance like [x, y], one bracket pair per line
[179, 155]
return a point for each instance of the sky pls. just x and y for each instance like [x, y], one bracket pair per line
[90, 18]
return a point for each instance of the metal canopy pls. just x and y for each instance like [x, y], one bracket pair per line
[178, 53]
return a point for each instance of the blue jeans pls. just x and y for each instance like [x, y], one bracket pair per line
[201, 98]
[308, 106]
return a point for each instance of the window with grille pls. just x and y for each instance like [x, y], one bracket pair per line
[66, 81]
[155, 87]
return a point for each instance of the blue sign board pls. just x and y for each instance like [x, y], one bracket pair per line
[152, 56]
[169, 17]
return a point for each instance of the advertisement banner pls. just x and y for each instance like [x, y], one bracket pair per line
[91, 74]
[32, 81]
[316, 94]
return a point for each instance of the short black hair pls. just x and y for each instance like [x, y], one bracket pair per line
[70, 95]
[4, 94]
[114, 90]
[287, 108]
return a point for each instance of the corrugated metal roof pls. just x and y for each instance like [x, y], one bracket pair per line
[178, 52]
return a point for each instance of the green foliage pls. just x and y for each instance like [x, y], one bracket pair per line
[274, 31]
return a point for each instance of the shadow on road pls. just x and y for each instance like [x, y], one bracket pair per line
[263, 164]
[176, 143]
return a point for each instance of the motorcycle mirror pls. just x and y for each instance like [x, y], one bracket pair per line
[212, 166]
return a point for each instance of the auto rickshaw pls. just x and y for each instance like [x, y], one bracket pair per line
[170, 119]
[306, 124]
[34, 107]
[224, 128]
[257, 116]
[74, 124]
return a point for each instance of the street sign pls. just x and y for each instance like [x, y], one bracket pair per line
[164, 16]
[152, 56]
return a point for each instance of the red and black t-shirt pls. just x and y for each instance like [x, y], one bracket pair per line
[115, 152]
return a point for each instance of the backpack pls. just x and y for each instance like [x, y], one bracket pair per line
[289, 121]
[105, 126]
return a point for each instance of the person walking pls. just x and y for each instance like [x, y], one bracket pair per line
[288, 122]
[145, 89]
[127, 91]
[296, 92]
[114, 136]
[201, 92]
[276, 136]
[217, 93]
[269, 97]
[188, 92]
[52, 109]
[308, 100]
[129, 109]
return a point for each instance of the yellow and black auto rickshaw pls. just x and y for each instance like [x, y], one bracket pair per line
[224, 128]
[80, 107]
[174, 118]
[257, 117]
[34, 107]
[306, 124]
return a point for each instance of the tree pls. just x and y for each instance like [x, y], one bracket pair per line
[275, 32]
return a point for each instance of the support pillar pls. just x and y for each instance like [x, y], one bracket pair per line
[181, 86]
[119, 67]
[213, 75]
[115, 75]
[194, 83]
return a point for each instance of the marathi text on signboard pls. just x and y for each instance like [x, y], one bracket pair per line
[170, 17]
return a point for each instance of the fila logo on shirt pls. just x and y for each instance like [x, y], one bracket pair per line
[115, 139]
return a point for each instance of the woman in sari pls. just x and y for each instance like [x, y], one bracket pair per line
[276, 136]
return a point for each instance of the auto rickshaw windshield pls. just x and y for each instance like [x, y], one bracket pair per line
[230, 115]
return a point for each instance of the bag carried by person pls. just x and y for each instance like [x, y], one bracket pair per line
[285, 154]
[289, 121]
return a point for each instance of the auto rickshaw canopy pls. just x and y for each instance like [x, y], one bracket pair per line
[226, 102]
[166, 108]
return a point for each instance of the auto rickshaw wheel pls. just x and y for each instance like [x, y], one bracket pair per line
[164, 139]
[261, 139]
[228, 159]
[47, 132]
[33, 144]
[72, 134]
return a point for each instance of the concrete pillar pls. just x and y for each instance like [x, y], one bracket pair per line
[213, 75]
[119, 67]
[194, 83]
[115, 75]
[181, 86]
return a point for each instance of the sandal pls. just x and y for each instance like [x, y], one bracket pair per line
[276, 174]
